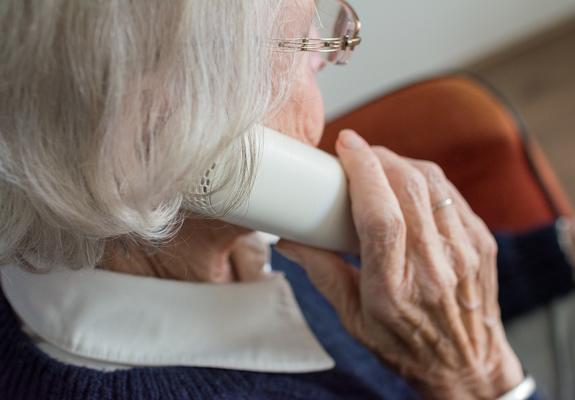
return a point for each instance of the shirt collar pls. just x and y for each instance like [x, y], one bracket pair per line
[141, 321]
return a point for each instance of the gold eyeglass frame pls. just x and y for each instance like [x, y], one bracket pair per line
[325, 45]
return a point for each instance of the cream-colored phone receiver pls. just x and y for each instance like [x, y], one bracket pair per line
[299, 193]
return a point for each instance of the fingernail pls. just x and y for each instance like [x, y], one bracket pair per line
[351, 140]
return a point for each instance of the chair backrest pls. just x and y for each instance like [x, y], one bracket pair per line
[471, 132]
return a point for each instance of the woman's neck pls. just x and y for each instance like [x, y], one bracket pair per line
[202, 251]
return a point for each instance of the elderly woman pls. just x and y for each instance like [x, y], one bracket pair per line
[110, 111]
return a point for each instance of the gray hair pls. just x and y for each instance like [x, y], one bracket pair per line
[109, 111]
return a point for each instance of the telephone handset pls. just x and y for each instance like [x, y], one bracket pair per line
[299, 193]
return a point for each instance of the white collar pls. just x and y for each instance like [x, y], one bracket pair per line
[112, 318]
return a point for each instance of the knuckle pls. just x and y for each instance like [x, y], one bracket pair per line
[434, 176]
[479, 226]
[361, 164]
[366, 169]
[379, 150]
[488, 245]
[388, 308]
[448, 282]
[466, 261]
[444, 277]
[432, 171]
[440, 279]
[370, 164]
[472, 260]
[415, 184]
[483, 241]
[383, 227]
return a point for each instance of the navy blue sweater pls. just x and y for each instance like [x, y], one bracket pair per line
[27, 373]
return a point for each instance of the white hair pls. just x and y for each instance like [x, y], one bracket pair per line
[110, 109]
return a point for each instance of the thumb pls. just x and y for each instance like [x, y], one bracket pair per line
[336, 280]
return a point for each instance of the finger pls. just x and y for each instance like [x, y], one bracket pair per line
[469, 298]
[447, 218]
[487, 250]
[491, 314]
[487, 273]
[412, 192]
[415, 327]
[376, 211]
[451, 315]
[461, 250]
[478, 292]
[443, 267]
[423, 237]
[336, 280]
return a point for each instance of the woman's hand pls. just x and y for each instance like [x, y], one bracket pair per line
[425, 299]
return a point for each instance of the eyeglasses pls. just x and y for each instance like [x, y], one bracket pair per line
[335, 33]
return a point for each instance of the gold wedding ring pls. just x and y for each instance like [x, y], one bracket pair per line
[442, 204]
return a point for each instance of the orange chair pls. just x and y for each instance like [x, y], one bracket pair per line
[466, 128]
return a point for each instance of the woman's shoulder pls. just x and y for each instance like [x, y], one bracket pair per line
[28, 373]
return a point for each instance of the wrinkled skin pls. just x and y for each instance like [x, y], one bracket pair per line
[425, 299]
[202, 251]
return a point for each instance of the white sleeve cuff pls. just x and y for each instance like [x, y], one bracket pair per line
[564, 227]
[523, 391]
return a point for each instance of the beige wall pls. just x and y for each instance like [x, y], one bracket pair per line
[406, 39]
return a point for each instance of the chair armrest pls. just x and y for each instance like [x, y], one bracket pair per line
[471, 132]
